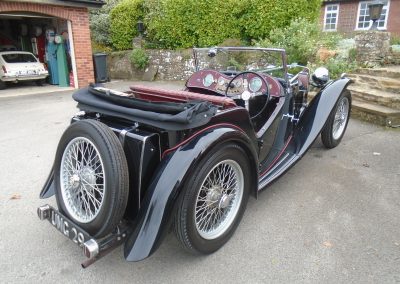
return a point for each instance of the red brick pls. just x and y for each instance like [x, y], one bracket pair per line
[348, 16]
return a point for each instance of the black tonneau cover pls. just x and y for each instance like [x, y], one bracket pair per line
[169, 116]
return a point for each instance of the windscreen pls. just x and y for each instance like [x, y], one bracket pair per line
[227, 60]
[18, 58]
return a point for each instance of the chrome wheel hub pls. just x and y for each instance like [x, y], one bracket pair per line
[218, 200]
[82, 180]
[74, 181]
[224, 201]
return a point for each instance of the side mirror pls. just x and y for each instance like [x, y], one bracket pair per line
[320, 76]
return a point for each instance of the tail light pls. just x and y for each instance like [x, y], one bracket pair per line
[4, 68]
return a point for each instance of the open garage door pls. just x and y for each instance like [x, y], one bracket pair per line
[49, 39]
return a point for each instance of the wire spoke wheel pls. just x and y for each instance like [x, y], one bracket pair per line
[82, 179]
[218, 199]
[336, 124]
[341, 117]
[214, 199]
[91, 177]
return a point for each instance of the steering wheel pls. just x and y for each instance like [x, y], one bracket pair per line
[247, 93]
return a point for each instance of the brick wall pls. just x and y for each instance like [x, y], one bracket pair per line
[347, 17]
[394, 17]
[80, 28]
[348, 11]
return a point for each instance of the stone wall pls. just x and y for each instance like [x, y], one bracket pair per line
[163, 65]
[373, 47]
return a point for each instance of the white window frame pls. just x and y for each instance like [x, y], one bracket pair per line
[337, 17]
[369, 26]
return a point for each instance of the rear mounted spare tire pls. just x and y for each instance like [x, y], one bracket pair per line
[91, 177]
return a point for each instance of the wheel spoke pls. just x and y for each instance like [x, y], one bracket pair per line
[82, 179]
[217, 200]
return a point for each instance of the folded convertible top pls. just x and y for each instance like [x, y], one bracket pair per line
[165, 115]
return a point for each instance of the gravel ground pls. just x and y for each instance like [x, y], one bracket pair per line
[333, 218]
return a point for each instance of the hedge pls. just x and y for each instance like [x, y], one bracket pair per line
[123, 19]
[188, 23]
[262, 16]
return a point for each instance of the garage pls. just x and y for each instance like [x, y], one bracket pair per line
[56, 32]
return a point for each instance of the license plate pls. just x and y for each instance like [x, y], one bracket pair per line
[67, 227]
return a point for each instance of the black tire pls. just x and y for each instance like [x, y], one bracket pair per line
[327, 135]
[185, 223]
[3, 85]
[40, 82]
[114, 170]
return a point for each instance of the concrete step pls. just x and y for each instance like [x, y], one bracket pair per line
[387, 72]
[363, 92]
[375, 114]
[377, 82]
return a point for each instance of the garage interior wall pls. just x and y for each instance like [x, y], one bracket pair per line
[29, 33]
[58, 16]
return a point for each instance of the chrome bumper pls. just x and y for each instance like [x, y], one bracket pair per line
[23, 78]
[93, 249]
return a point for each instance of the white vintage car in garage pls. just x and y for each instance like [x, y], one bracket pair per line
[16, 66]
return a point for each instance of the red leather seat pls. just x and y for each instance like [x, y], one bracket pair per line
[162, 95]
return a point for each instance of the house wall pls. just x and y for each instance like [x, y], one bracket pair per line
[348, 16]
[394, 17]
[80, 28]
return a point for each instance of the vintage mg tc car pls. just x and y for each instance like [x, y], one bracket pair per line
[134, 164]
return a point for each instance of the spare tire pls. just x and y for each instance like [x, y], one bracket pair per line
[91, 177]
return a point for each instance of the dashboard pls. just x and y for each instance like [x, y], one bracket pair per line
[215, 81]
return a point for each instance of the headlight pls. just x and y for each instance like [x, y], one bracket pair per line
[208, 80]
[255, 84]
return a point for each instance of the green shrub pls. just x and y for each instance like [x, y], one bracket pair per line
[232, 42]
[124, 18]
[301, 39]
[139, 58]
[187, 23]
[262, 16]
[395, 40]
[98, 47]
[100, 23]
[352, 54]
[336, 66]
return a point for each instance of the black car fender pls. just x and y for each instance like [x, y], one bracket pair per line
[156, 214]
[48, 189]
[316, 114]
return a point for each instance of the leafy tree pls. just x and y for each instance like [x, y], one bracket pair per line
[100, 23]
[124, 18]
[301, 39]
